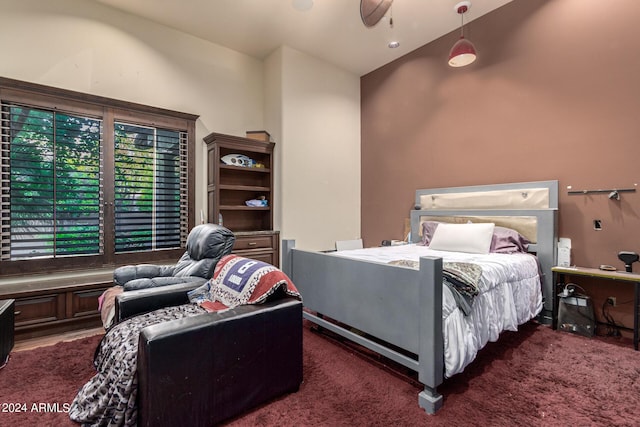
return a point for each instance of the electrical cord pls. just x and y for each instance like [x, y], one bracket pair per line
[570, 289]
[612, 327]
[5, 362]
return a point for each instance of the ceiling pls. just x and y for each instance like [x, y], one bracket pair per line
[331, 30]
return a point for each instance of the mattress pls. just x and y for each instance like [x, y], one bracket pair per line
[509, 295]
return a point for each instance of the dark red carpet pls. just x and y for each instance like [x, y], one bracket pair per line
[537, 377]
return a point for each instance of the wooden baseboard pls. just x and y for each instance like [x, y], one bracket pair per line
[31, 343]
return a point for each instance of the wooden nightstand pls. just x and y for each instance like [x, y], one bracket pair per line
[616, 276]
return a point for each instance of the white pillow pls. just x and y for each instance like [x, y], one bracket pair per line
[470, 238]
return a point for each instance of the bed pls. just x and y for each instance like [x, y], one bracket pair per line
[396, 308]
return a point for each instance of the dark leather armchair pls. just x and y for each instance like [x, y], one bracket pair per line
[206, 244]
[202, 370]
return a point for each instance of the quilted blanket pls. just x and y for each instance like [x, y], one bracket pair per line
[461, 277]
[238, 280]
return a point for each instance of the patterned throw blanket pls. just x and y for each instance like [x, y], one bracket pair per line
[109, 398]
[238, 280]
[461, 277]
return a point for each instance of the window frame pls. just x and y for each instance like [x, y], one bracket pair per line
[109, 111]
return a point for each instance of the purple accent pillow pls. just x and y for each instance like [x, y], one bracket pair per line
[507, 241]
[428, 228]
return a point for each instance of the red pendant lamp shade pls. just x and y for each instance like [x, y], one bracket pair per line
[463, 52]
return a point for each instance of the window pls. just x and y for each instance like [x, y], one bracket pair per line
[148, 187]
[54, 180]
[89, 181]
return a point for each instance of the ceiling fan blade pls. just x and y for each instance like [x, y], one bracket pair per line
[372, 11]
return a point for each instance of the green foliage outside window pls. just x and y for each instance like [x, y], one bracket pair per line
[55, 183]
[147, 188]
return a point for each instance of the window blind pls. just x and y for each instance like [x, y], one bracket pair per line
[150, 188]
[52, 192]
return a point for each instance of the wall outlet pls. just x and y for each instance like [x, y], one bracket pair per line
[611, 301]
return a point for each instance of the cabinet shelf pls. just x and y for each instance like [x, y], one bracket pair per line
[245, 169]
[253, 188]
[243, 208]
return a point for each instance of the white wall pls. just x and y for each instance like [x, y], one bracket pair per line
[273, 122]
[87, 47]
[314, 109]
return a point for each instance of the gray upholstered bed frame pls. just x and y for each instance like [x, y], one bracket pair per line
[400, 309]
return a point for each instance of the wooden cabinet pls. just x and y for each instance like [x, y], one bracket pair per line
[260, 245]
[39, 309]
[53, 303]
[57, 311]
[230, 186]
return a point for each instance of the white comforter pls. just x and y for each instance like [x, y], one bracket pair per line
[509, 295]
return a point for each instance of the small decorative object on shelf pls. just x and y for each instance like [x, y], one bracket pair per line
[259, 135]
[257, 203]
[238, 160]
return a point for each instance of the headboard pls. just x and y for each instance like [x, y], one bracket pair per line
[531, 208]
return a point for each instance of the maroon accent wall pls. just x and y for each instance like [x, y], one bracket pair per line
[554, 94]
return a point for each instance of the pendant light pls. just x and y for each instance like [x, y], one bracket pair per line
[462, 53]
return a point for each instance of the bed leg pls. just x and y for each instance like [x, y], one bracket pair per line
[430, 400]
[286, 262]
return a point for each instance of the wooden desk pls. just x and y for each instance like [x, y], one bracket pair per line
[621, 276]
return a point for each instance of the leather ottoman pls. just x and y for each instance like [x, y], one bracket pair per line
[7, 308]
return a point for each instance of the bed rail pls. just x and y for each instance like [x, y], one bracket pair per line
[411, 320]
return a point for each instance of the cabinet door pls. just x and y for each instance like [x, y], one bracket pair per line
[83, 303]
[39, 309]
